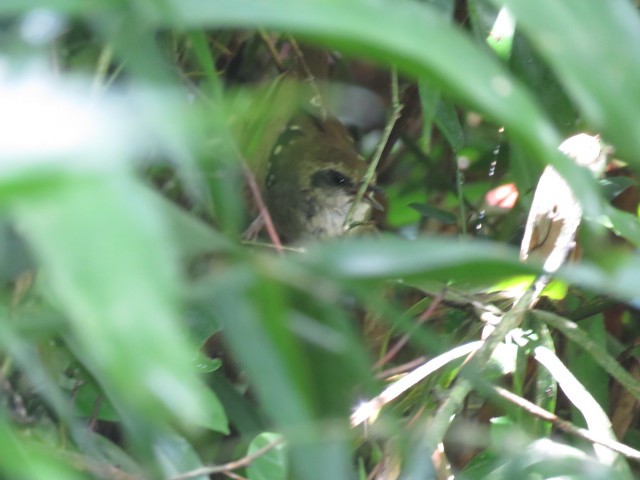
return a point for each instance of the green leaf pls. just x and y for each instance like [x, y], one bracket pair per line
[91, 403]
[614, 186]
[272, 465]
[25, 459]
[446, 118]
[429, 99]
[12, 7]
[584, 366]
[527, 65]
[242, 412]
[175, 455]
[409, 26]
[624, 224]
[593, 346]
[429, 257]
[354, 26]
[589, 45]
[191, 235]
[619, 276]
[108, 259]
[216, 417]
[205, 364]
[500, 37]
[546, 388]
[256, 332]
[428, 211]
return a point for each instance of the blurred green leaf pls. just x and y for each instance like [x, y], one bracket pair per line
[192, 236]
[272, 465]
[624, 224]
[175, 82]
[278, 375]
[428, 211]
[593, 346]
[242, 413]
[587, 45]
[90, 403]
[429, 98]
[408, 27]
[534, 73]
[618, 277]
[26, 355]
[216, 417]
[434, 257]
[175, 456]
[207, 365]
[585, 367]
[12, 7]
[500, 38]
[446, 118]
[546, 389]
[23, 459]
[113, 269]
[614, 186]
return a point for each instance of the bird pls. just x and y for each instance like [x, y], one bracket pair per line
[313, 174]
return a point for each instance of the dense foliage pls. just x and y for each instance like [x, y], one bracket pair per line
[142, 335]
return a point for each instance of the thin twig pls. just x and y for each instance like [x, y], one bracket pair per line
[390, 372]
[455, 400]
[309, 77]
[272, 50]
[373, 474]
[463, 211]
[97, 469]
[393, 351]
[264, 212]
[235, 476]
[411, 108]
[565, 426]
[94, 413]
[102, 68]
[285, 248]
[251, 182]
[240, 463]
[370, 409]
[371, 171]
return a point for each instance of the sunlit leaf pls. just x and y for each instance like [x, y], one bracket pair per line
[272, 465]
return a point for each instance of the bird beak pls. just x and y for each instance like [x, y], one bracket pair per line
[375, 197]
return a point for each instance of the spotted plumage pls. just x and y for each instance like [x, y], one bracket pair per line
[313, 175]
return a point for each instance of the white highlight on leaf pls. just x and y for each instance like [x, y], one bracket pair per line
[597, 421]
[369, 410]
[41, 26]
[45, 121]
[504, 26]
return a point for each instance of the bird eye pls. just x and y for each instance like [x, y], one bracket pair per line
[330, 178]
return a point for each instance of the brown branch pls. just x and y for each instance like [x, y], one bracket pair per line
[390, 372]
[310, 77]
[272, 50]
[235, 476]
[393, 351]
[240, 463]
[97, 468]
[264, 212]
[565, 426]
[410, 101]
